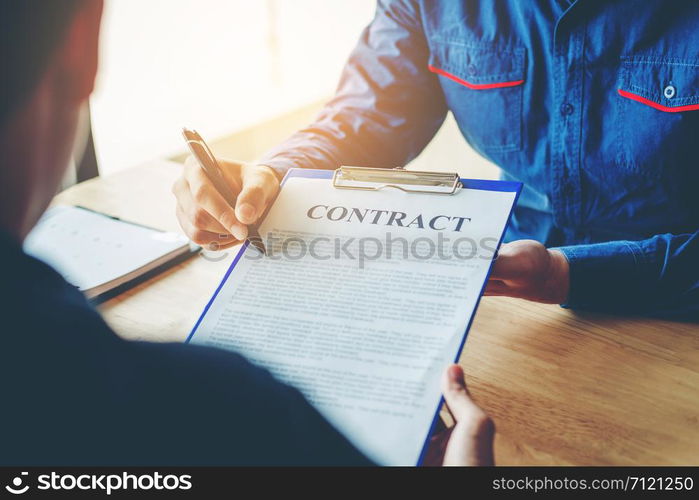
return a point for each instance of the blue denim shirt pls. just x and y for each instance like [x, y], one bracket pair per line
[593, 105]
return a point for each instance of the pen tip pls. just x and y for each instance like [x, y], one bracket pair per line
[259, 246]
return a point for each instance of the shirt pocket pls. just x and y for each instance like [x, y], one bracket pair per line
[657, 113]
[483, 89]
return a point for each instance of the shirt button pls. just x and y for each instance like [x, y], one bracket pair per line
[471, 69]
[669, 92]
[566, 109]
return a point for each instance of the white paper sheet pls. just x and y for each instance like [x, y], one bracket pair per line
[90, 249]
[365, 340]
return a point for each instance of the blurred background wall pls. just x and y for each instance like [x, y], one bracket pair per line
[244, 73]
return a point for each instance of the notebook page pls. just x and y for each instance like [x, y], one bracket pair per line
[90, 249]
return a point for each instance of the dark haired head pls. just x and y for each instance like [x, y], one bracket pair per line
[29, 32]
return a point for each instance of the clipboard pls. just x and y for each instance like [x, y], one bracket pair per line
[408, 181]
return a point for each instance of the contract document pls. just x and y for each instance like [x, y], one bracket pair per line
[362, 300]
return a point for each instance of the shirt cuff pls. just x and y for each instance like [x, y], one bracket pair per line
[609, 276]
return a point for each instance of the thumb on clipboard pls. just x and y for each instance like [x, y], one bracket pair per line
[469, 442]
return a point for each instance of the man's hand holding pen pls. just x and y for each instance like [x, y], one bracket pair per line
[205, 215]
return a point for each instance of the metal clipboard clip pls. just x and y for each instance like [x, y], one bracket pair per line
[410, 181]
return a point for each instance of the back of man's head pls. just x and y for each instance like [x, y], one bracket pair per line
[29, 33]
[48, 61]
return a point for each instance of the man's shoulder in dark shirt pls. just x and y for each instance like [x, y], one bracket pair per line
[77, 394]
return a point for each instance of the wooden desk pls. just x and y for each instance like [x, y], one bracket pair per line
[563, 388]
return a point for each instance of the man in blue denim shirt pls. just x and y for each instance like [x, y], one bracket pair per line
[593, 105]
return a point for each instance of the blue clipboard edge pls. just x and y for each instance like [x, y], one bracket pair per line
[482, 184]
[510, 186]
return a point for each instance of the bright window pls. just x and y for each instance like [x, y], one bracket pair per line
[216, 65]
